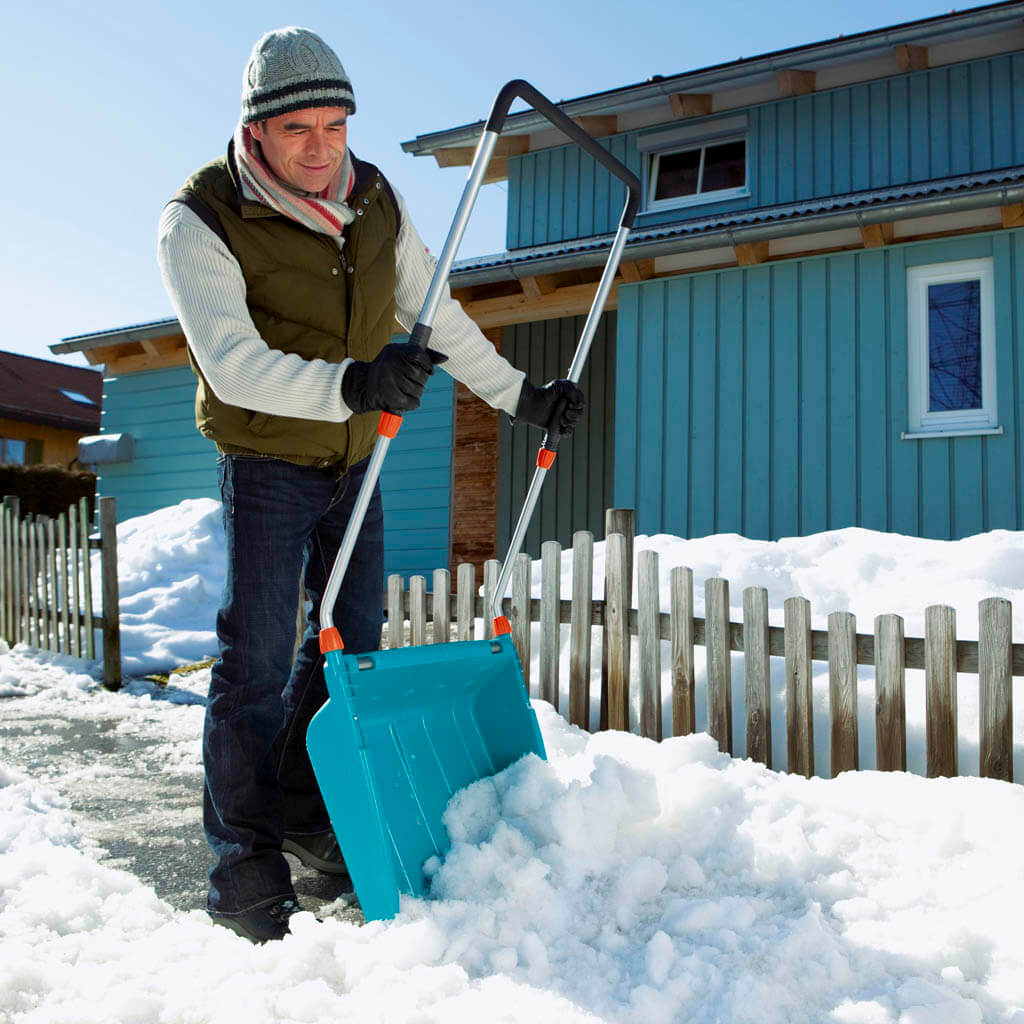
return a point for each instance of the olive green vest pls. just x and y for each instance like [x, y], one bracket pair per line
[308, 297]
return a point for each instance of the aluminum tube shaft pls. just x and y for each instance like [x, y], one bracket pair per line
[575, 372]
[516, 543]
[481, 159]
[355, 524]
[611, 268]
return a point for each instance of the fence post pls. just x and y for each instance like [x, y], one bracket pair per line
[716, 614]
[890, 695]
[5, 571]
[62, 550]
[757, 675]
[76, 593]
[684, 711]
[396, 615]
[83, 527]
[799, 680]
[465, 601]
[995, 680]
[12, 509]
[492, 569]
[649, 636]
[440, 607]
[417, 610]
[550, 599]
[52, 617]
[581, 620]
[521, 609]
[621, 521]
[111, 612]
[940, 690]
[842, 692]
[25, 547]
[616, 619]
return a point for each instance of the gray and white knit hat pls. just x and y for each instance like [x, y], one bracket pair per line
[290, 69]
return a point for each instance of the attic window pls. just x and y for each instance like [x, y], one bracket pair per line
[695, 163]
[712, 171]
[77, 396]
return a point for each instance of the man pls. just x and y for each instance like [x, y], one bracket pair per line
[288, 261]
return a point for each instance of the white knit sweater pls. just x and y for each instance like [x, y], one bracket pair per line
[207, 289]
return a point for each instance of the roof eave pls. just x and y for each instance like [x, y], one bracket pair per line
[733, 73]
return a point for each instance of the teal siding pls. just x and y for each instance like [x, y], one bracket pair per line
[579, 487]
[416, 486]
[770, 401]
[913, 127]
[173, 461]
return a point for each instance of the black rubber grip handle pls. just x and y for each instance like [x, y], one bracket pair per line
[420, 335]
[518, 89]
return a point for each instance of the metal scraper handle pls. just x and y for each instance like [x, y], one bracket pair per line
[390, 423]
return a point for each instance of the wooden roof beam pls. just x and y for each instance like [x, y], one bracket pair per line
[875, 235]
[1012, 215]
[749, 253]
[793, 82]
[690, 104]
[912, 58]
[535, 287]
[598, 124]
[636, 270]
[462, 156]
[571, 300]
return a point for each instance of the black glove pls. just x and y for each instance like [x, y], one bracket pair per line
[393, 382]
[538, 405]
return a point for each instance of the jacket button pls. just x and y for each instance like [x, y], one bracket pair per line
[378, 184]
[334, 271]
[366, 202]
[351, 269]
[360, 212]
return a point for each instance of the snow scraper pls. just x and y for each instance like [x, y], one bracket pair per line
[404, 729]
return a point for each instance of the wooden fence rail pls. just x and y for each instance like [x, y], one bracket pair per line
[993, 658]
[46, 596]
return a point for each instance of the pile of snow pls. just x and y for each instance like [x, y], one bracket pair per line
[621, 881]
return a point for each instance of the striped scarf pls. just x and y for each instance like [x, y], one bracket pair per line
[323, 213]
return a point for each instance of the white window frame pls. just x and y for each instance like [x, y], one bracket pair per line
[959, 422]
[679, 139]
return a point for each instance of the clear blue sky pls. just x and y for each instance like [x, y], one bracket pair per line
[109, 106]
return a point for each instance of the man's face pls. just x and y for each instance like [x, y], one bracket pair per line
[304, 148]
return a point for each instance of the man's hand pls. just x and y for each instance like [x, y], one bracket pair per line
[393, 382]
[540, 405]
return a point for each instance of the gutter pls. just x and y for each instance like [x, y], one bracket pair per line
[666, 241]
[735, 73]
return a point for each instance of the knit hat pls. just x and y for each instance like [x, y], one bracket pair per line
[290, 69]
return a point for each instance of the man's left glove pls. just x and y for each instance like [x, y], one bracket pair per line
[393, 382]
[538, 406]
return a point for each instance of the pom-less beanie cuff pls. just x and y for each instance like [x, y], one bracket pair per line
[292, 69]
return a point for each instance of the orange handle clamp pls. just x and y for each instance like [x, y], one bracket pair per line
[389, 424]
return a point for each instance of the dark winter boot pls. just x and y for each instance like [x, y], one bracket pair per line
[262, 924]
[320, 851]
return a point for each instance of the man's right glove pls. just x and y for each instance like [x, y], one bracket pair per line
[538, 405]
[393, 382]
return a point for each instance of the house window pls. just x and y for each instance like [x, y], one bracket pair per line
[715, 170]
[695, 163]
[951, 348]
[13, 452]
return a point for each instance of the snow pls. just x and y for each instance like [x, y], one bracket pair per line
[620, 880]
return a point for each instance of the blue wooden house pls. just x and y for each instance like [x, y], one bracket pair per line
[817, 323]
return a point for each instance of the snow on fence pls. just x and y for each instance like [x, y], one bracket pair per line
[993, 657]
[46, 592]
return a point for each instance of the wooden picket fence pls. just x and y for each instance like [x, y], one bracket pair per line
[993, 658]
[46, 594]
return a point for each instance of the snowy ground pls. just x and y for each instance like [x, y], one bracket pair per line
[621, 880]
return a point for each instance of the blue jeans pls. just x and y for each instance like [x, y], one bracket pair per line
[280, 521]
